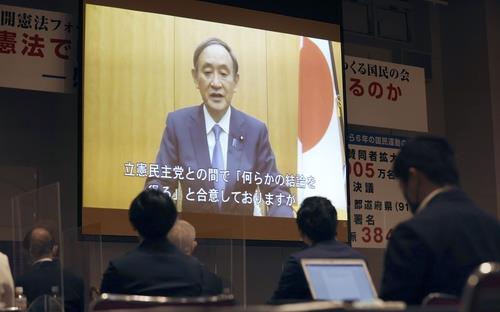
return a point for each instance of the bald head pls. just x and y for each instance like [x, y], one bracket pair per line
[41, 244]
[183, 236]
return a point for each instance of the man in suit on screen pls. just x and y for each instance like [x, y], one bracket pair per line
[215, 146]
[448, 237]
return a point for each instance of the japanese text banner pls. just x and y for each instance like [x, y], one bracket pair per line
[37, 50]
[385, 95]
[376, 203]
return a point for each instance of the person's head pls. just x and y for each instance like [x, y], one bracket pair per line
[152, 214]
[41, 244]
[424, 164]
[183, 236]
[317, 220]
[215, 74]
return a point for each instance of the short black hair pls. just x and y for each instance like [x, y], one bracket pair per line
[317, 218]
[431, 155]
[152, 213]
[211, 41]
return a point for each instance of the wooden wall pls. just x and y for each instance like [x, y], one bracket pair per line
[137, 69]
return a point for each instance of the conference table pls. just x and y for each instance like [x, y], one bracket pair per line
[296, 307]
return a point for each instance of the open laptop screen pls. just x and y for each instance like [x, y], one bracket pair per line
[339, 280]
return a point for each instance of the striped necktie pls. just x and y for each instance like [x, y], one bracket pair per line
[218, 163]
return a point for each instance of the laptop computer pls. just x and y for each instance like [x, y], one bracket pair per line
[339, 279]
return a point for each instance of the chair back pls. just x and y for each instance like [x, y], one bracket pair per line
[441, 299]
[45, 303]
[115, 301]
[482, 290]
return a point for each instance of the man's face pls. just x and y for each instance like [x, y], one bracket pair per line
[216, 80]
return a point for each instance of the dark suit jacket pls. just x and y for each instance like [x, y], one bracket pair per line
[44, 275]
[184, 143]
[293, 283]
[212, 284]
[437, 249]
[154, 269]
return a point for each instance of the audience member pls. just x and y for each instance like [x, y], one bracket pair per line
[448, 236]
[46, 271]
[156, 267]
[6, 283]
[183, 236]
[317, 224]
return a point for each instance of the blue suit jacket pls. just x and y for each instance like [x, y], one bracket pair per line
[184, 143]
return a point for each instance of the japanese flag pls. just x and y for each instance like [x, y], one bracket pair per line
[321, 156]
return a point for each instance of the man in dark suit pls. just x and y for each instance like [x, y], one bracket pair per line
[183, 236]
[45, 275]
[448, 236]
[317, 223]
[215, 135]
[156, 267]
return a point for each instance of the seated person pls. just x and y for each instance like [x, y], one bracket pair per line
[448, 236]
[183, 236]
[46, 271]
[317, 223]
[156, 267]
[6, 283]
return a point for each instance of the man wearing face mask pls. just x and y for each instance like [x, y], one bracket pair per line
[448, 236]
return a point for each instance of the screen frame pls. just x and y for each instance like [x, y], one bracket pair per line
[114, 222]
[345, 261]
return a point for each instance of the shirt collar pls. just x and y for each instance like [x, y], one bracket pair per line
[210, 122]
[43, 260]
[431, 196]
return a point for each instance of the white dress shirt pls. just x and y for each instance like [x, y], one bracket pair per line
[224, 135]
[47, 259]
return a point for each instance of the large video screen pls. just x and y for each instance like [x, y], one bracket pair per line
[237, 118]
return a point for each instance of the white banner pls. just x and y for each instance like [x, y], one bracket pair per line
[37, 50]
[385, 95]
[376, 203]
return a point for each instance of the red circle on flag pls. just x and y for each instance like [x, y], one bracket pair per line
[315, 95]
